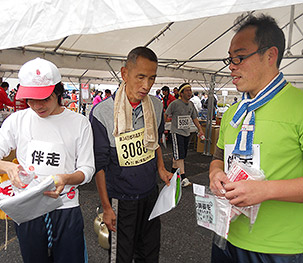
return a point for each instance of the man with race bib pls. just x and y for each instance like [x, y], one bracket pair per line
[182, 112]
[127, 128]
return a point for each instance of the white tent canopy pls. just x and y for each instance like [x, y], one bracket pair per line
[89, 39]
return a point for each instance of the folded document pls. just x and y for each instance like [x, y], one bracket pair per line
[31, 203]
[169, 196]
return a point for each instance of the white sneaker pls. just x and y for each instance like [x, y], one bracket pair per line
[185, 182]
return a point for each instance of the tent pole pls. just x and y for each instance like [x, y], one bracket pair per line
[114, 74]
[80, 91]
[210, 107]
[80, 96]
[59, 45]
[213, 41]
[291, 26]
[159, 34]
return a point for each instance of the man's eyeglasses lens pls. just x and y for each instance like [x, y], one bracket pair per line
[237, 60]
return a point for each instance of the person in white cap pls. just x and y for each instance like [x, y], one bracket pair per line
[46, 144]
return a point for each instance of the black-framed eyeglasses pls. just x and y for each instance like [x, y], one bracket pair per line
[238, 59]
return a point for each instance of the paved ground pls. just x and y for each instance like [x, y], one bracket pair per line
[182, 240]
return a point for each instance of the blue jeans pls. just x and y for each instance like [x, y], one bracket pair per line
[232, 254]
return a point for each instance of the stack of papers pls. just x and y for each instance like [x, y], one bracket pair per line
[31, 203]
[169, 196]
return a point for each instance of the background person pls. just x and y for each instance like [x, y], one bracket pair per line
[182, 112]
[108, 93]
[255, 54]
[167, 97]
[45, 143]
[215, 105]
[196, 101]
[20, 104]
[203, 99]
[158, 94]
[126, 130]
[97, 97]
[4, 100]
[73, 106]
[176, 93]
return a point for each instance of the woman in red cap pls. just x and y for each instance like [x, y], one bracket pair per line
[46, 144]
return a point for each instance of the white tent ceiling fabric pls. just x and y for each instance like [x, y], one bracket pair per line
[89, 39]
[35, 21]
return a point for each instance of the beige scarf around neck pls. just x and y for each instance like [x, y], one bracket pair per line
[123, 121]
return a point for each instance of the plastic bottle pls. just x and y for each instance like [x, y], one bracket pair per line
[25, 178]
[201, 136]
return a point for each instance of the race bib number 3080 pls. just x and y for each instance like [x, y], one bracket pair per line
[130, 149]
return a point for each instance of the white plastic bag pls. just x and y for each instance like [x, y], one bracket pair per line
[237, 172]
[212, 212]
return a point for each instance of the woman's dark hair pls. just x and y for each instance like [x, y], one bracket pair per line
[59, 90]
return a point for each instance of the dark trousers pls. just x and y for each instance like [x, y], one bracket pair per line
[232, 254]
[138, 238]
[68, 238]
[179, 146]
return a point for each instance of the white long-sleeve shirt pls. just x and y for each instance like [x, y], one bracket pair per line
[61, 143]
[197, 102]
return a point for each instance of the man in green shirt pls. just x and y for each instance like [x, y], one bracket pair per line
[266, 125]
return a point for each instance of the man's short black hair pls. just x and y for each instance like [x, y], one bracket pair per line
[165, 88]
[268, 33]
[196, 93]
[4, 84]
[141, 52]
[108, 91]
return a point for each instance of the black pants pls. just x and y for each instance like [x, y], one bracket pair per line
[68, 238]
[180, 146]
[138, 238]
[232, 254]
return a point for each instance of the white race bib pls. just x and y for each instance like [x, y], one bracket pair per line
[45, 158]
[184, 122]
[130, 149]
[228, 157]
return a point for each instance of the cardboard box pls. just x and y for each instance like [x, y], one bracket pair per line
[214, 138]
[11, 156]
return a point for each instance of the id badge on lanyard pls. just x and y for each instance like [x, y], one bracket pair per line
[45, 158]
[228, 157]
[130, 149]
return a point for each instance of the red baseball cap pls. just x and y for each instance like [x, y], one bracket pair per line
[37, 78]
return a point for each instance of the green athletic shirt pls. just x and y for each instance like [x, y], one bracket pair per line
[279, 132]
